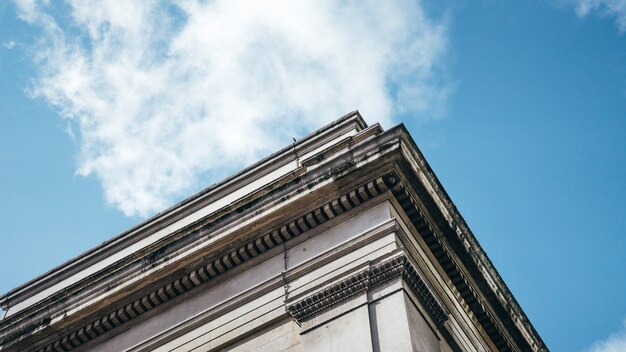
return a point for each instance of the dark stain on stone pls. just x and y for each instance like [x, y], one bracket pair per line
[26, 330]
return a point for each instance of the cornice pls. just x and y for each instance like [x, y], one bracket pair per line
[375, 275]
[185, 207]
[445, 257]
[218, 266]
[451, 234]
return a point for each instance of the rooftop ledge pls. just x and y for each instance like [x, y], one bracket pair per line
[184, 213]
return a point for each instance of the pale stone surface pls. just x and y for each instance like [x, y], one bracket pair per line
[284, 336]
[391, 330]
[349, 332]
[337, 235]
[422, 335]
[348, 262]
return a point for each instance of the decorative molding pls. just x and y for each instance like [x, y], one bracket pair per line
[443, 255]
[214, 268]
[500, 295]
[399, 266]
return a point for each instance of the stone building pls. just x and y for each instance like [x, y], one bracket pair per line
[343, 241]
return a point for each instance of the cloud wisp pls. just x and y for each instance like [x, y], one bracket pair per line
[9, 44]
[616, 342]
[161, 94]
[610, 8]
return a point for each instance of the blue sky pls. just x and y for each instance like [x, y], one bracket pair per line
[519, 106]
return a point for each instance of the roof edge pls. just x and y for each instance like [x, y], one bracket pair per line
[481, 258]
[145, 227]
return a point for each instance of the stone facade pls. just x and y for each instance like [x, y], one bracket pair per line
[343, 241]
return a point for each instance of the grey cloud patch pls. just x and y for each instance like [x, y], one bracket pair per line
[160, 95]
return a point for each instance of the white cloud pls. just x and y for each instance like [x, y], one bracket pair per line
[616, 342]
[611, 8]
[161, 94]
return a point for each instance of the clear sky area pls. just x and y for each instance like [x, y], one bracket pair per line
[111, 112]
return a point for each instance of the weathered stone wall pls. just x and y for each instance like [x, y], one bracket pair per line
[249, 309]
